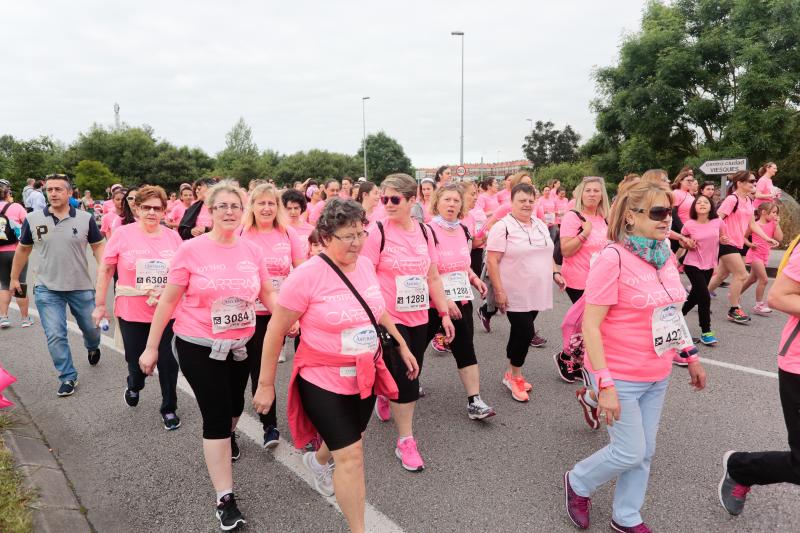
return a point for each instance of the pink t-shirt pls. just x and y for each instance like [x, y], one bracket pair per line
[332, 320]
[763, 186]
[736, 224]
[303, 230]
[453, 250]
[561, 208]
[315, 211]
[571, 204]
[546, 210]
[487, 202]
[503, 197]
[213, 272]
[790, 361]
[16, 214]
[279, 250]
[575, 268]
[683, 200]
[761, 251]
[526, 268]
[176, 213]
[405, 253]
[705, 255]
[128, 245]
[378, 213]
[108, 207]
[475, 220]
[204, 218]
[632, 293]
[108, 223]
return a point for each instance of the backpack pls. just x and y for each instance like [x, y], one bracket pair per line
[7, 233]
[421, 226]
[558, 257]
[189, 220]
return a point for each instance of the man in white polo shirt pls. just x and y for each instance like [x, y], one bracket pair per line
[60, 234]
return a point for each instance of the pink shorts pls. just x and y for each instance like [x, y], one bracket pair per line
[757, 254]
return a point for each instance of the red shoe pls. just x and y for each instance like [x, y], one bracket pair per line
[589, 412]
[578, 507]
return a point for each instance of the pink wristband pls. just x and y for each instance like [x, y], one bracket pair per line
[603, 377]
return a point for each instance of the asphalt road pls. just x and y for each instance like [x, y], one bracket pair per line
[504, 474]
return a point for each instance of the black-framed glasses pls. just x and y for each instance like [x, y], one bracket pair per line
[657, 213]
[153, 208]
[351, 238]
[751, 180]
[394, 199]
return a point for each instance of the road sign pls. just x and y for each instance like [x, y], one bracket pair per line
[461, 171]
[718, 167]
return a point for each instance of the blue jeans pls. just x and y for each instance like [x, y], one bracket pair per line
[52, 306]
[627, 457]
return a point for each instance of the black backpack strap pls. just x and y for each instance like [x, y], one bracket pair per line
[466, 232]
[383, 235]
[3, 212]
[425, 234]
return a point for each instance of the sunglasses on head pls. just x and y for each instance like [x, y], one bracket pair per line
[657, 213]
[394, 199]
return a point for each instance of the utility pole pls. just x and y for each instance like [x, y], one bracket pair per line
[364, 137]
[461, 34]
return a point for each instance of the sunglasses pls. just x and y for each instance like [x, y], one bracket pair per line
[394, 199]
[751, 180]
[655, 213]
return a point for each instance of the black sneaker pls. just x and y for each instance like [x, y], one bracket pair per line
[235, 452]
[564, 368]
[228, 514]
[732, 495]
[724, 284]
[94, 356]
[271, 437]
[486, 320]
[131, 397]
[67, 387]
[171, 421]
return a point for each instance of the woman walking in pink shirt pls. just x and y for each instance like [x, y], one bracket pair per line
[768, 218]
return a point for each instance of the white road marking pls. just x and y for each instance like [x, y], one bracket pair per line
[285, 453]
[740, 368]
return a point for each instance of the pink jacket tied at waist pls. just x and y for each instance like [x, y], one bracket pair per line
[370, 374]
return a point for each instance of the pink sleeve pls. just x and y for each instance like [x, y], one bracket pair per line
[179, 267]
[539, 211]
[685, 230]
[727, 204]
[433, 253]
[764, 185]
[111, 252]
[497, 241]
[481, 203]
[295, 291]
[570, 224]
[296, 243]
[601, 285]
[372, 248]
[17, 213]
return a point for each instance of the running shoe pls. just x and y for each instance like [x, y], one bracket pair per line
[235, 451]
[94, 356]
[408, 454]
[314, 444]
[421, 392]
[322, 474]
[26, 322]
[478, 410]
[732, 495]
[762, 309]
[724, 284]
[131, 397]
[578, 507]
[228, 513]
[677, 360]
[564, 367]
[537, 341]
[171, 421]
[271, 438]
[282, 357]
[708, 338]
[486, 320]
[517, 387]
[639, 528]
[738, 316]
[589, 412]
[382, 409]
[713, 294]
[4, 322]
[577, 373]
[67, 387]
[438, 344]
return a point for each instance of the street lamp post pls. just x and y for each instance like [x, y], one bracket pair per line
[531, 121]
[461, 34]
[364, 138]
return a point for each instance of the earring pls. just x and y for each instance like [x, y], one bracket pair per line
[628, 227]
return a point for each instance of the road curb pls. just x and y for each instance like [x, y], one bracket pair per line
[56, 507]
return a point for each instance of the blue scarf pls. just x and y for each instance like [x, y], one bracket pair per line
[444, 223]
[653, 251]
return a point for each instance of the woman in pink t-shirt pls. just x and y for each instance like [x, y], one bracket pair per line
[404, 255]
[765, 191]
[520, 264]
[421, 211]
[561, 204]
[487, 199]
[475, 221]
[212, 286]
[174, 216]
[682, 193]
[369, 196]
[140, 255]
[504, 196]
[768, 218]
[281, 249]
[737, 213]
[452, 239]
[338, 368]
[330, 190]
[294, 205]
[15, 213]
[107, 223]
[631, 328]
[546, 210]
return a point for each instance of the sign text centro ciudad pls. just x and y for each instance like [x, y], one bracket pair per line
[718, 167]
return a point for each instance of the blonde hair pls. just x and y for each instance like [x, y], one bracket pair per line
[223, 186]
[516, 178]
[263, 189]
[642, 195]
[603, 208]
[657, 176]
[402, 183]
[450, 187]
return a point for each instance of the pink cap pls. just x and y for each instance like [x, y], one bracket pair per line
[311, 190]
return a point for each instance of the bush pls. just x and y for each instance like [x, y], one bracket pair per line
[570, 174]
[94, 176]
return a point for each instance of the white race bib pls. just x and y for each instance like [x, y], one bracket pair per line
[412, 293]
[669, 329]
[232, 313]
[456, 286]
[359, 340]
[277, 282]
[151, 273]
[549, 218]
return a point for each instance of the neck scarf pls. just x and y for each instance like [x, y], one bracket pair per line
[650, 250]
[444, 223]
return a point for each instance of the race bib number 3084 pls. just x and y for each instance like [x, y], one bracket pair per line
[232, 313]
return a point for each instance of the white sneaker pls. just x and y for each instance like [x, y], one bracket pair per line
[282, 357]
[761, 308]
[4, 322]
[27, 322]
[323, 475]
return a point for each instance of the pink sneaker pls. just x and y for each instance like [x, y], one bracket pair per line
[677, 360]
[382, 409]
[409, 456]
[762, 309]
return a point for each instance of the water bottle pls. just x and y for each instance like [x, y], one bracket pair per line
[104, 324]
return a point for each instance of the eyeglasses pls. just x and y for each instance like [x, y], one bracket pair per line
[351, 238]
[153, 208]
[131, 198]
[394, 199]
[227, 207]
[657, 213]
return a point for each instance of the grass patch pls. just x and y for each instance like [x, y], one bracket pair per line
[15, 500]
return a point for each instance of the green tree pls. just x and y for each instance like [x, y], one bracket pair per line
[94, 176]
[317, 164]
[384, 156]
[546, 145]
[240, 157]
[569, 174]
[33, 158]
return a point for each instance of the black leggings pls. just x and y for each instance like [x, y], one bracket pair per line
[134, 338]
[340, 419]
[520, 336]
[476, 260]
[462, 346]
[217, 385]
[699, 295]
[574, 294]
[416, 339]
[254, 347]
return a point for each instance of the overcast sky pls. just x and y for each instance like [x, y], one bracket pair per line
[296, 71]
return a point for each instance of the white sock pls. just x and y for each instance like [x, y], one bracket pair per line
[588, 399]
[403, 439]
[221, 494]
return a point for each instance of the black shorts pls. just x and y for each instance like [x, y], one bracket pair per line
[6, 258]
[416, 339]
[726, 249]
[462, 346]
[340, 419]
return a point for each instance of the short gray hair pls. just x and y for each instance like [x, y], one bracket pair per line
[339, 213]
